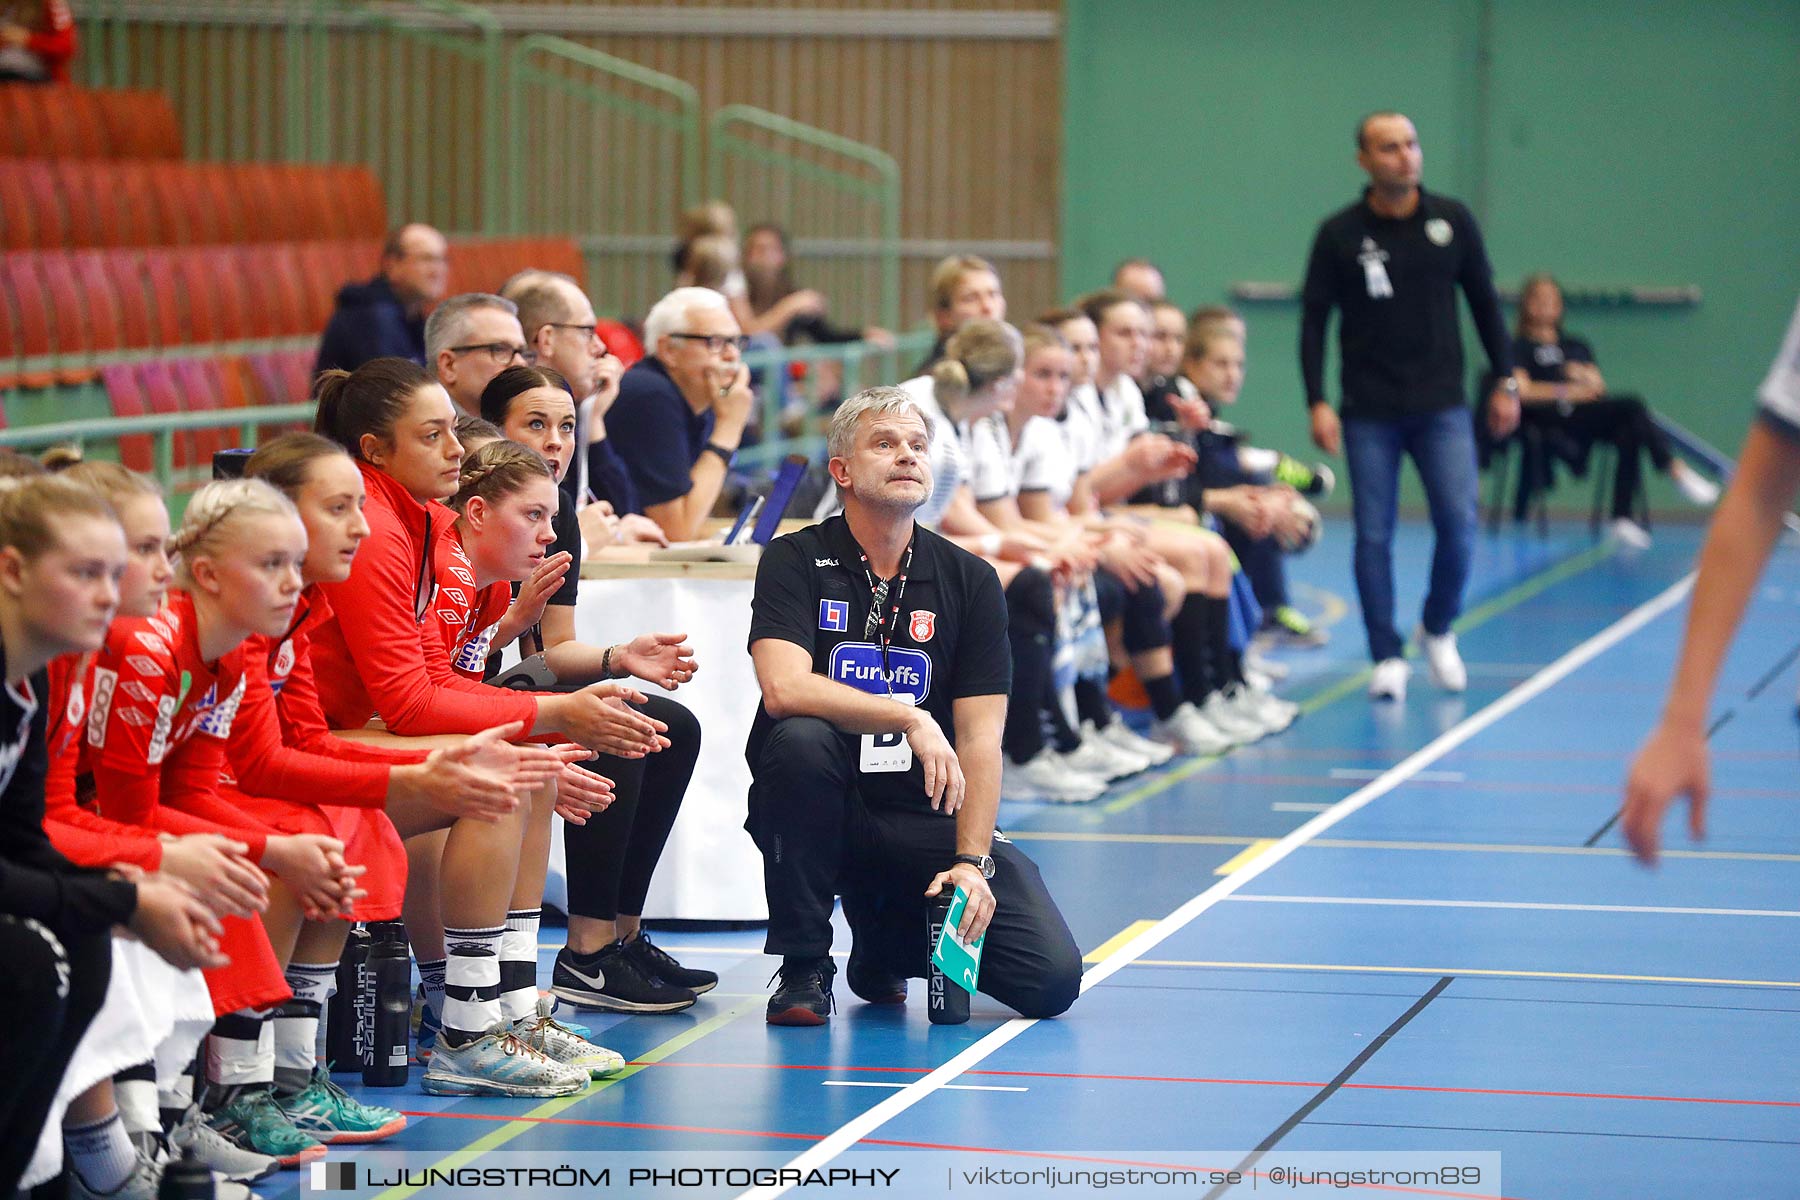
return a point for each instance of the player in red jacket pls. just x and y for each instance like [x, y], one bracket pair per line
[37, 40]
[165, 691]
[379, 656]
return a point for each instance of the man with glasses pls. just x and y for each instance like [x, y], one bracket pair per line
[385, 317]
[559, 325]
[682, 410]
[471, 338]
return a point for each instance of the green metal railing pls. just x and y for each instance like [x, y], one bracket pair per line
[162, 427]
[758, 159]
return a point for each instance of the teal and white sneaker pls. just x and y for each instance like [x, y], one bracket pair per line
[425, 1026]
[327, 1112]
[255, 1122]
[498, 1063]
[557, 1041]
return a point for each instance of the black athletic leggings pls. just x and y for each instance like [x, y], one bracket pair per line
[52, 986]
[1623, 421]
[609, 860]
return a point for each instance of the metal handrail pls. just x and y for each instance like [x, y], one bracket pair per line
[685, 122]
[162, 426]
[884, 189]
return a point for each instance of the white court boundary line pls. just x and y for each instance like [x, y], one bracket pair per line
[865, 1123]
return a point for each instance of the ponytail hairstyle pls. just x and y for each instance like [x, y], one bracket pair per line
[508, 385]
[499, 469]
[31, 505]
[215, 508]
[978, 354]
[286, 462]
[111, 481]
[368, 401]
[60, 457]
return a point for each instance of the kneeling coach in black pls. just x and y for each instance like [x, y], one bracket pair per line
[881, 652]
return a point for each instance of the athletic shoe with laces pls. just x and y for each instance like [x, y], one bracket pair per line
[499, 1064]
[327, 1112]
[1190, 733]
[1388, 680]
[612, 980]
[1629, 533]
[869, 982]
[1275, 713]
[804, 996]
[1236, 724]
[1121, 735]
[1097, 756]
[253, 1121]
[192, 1135]
[658, 963]
[551, 1038]
[1694, 486]
[1048, 777]
[145, 1182]
[1443, 662]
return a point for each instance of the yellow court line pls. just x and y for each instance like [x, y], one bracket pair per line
[1242, 858]
[496, 1138]
[1209, 839]
[1362, 969]
[1115, 941]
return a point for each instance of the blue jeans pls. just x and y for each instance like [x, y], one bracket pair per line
[1442, 447]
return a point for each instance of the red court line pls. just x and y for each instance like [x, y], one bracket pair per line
[1486, 785]
[1297, 1083]
[903, 1145]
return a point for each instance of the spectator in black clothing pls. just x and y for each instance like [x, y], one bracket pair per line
[1563, 391]
[682, 409]
[562, 333]
[785, 306]
[1391, 264]
[385, 317]
[608, 962]
[61, 553]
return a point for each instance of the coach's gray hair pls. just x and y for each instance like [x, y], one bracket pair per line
[449, 321]
[881, 401]
[670, 313]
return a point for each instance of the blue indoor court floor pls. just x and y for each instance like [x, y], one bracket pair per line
[1392, 928]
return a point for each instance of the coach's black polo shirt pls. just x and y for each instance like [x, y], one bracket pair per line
[950, 641]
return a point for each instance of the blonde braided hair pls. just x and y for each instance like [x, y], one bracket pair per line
[211, 512]
[499, 469]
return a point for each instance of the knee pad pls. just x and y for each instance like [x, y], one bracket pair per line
[1031, 601]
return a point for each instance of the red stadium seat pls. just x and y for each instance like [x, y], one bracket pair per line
[18, 229]
[236, 304]
[31, 310]
[200, 390]
[171, 204]
[88, 199]
[68, 318]
[75, 123]
[202, 306]
[126, 393]
[100, 300]
[140, 124]
[219, 205]
[50, 223]
[24, 135]
[272, 275]
[137, 322]
[162, 394]
[169, 315]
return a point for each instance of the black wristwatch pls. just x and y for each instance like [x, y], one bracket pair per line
[725, 455]
[981, 862]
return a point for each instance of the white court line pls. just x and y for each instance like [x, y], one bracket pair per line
[865, 1123]
[1421, 776]
[1520, 905]
[948, 1087]
[1297, 806]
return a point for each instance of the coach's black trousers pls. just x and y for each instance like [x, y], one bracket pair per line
[821, 837]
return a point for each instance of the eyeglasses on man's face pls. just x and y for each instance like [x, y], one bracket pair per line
[589, 332]
[716, 342]
[501, 353]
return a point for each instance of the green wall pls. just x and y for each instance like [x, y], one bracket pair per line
[1625, 144]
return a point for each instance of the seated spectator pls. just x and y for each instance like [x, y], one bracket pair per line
[469, 339]
[1562, 390]
[1140, 279]
[962, 286]
[681, 412]
[37, 40]
[778, 304]
[385, 317]
[562, 333]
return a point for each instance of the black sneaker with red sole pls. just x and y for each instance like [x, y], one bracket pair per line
[804, 995]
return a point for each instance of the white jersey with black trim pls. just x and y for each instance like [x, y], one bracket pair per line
[1779, 395]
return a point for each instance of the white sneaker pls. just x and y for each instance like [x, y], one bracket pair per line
[1048, 777]
[498, 1064]
[554, 1040]
[227, 1159]
[1097, 756]
[1442, 661]
[1388, 682]
[145, 1182]
[1221, 709]
[1120, 735]
[1696, 487]
[1628, 533]
[1272, 711]
[1257, 661]
[1191, 733]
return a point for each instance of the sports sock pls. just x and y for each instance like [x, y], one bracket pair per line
[471, 984]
